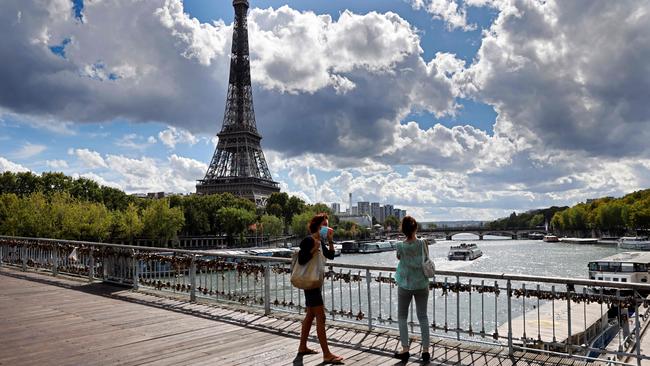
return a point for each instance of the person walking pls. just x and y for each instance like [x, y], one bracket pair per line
[310, 246]
[412, 283]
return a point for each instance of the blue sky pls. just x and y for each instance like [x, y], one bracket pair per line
[451, 110]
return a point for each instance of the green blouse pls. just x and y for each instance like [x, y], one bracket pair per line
[409, 274]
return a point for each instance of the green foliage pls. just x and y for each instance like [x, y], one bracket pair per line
[279, 204]
[299, 224]
[271, 225]
[392, 222]
[531, 219]
[233, 220]
[616, 215]
[128, 223]
[162, 222]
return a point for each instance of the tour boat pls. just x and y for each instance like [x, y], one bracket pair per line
[626, 267]
[634, 243]
[536, 236]
[551, 238]
[464, 252]
[381, 246]
[350, 246]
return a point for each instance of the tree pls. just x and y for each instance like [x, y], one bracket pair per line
[391, 222]
[271, 225]
[234, 220]
[536, 221]
[162, 222]
[9, 220]
[299, 224]
[129, 224]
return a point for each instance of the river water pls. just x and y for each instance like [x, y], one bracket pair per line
[500, 255]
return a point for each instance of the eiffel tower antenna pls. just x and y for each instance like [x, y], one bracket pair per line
[238, 165]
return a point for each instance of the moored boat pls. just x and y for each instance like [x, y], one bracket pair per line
[377, 247]
[626, 267]
[634, 243]
[464, 252]
[551, 239]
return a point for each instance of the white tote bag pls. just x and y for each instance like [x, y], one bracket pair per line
[311, 274]
[428, 267]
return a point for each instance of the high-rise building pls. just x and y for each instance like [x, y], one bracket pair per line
[402, 214]
[363, 208]
[382, 215]
[388, 211]
[336, 208]
[238, 165]
[374, 210]
[354, 211]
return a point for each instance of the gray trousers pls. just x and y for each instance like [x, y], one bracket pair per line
[403, 301]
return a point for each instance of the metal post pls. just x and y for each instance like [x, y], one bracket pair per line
[91, 267]
[267, 288]
[568, 309]
[637, 334]
[369, 299]
[509, 294]
[55, 261]
[458, 308]
[193, 280]
[23, 256]
[136, 273]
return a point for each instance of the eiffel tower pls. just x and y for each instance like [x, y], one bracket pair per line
[238, 165]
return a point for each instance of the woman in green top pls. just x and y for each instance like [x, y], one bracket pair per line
[412, 283]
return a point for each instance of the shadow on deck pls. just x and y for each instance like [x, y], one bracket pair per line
[64, 321]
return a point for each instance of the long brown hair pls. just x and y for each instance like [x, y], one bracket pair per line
[409, 225]
[316, 222]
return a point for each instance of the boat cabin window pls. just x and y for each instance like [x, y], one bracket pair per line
[623, 279]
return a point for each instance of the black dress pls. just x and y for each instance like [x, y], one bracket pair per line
[314, 296]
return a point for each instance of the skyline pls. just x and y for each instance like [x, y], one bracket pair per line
[450, 110]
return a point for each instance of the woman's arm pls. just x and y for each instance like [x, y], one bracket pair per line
[306, 250]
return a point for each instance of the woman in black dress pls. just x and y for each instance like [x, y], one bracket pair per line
[310, 246]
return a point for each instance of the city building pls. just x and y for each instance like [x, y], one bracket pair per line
[354, 211]
[374, 210]
[363, 208]
[335, 207]
[388, 211]
[361, 220]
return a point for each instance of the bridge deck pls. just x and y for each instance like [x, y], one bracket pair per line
[47, 320]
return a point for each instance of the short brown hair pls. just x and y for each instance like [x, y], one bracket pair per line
[409, 225]
[316, 221]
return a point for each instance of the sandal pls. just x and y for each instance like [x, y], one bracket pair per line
[336, 360]
[404, 356]
[308, 351]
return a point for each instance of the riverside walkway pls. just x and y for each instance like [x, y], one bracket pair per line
[66, 321]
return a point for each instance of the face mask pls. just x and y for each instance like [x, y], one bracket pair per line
[323, 232]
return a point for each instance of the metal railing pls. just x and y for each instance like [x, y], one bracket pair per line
[567, 316]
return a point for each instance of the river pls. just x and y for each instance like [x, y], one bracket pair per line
[500, 255]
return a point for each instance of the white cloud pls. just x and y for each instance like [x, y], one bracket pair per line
[57, 164]
[89, 159]
[135, 142]
[28, 150]
[9, 166]
[172, 136]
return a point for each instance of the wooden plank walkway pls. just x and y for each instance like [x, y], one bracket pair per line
[62, 321]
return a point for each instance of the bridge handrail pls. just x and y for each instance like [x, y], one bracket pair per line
[487, 275]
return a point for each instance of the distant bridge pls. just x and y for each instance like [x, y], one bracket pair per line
[480, 231]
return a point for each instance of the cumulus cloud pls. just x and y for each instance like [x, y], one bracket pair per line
[135, 142]
[28, 150]
[10, 166]
[88, 158]
[172, 136]
[569, 75]
[57, 164]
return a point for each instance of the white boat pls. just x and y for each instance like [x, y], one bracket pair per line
[551, 239]
[464, 252]
[380, 246]
[634, 243]
[630, 267]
